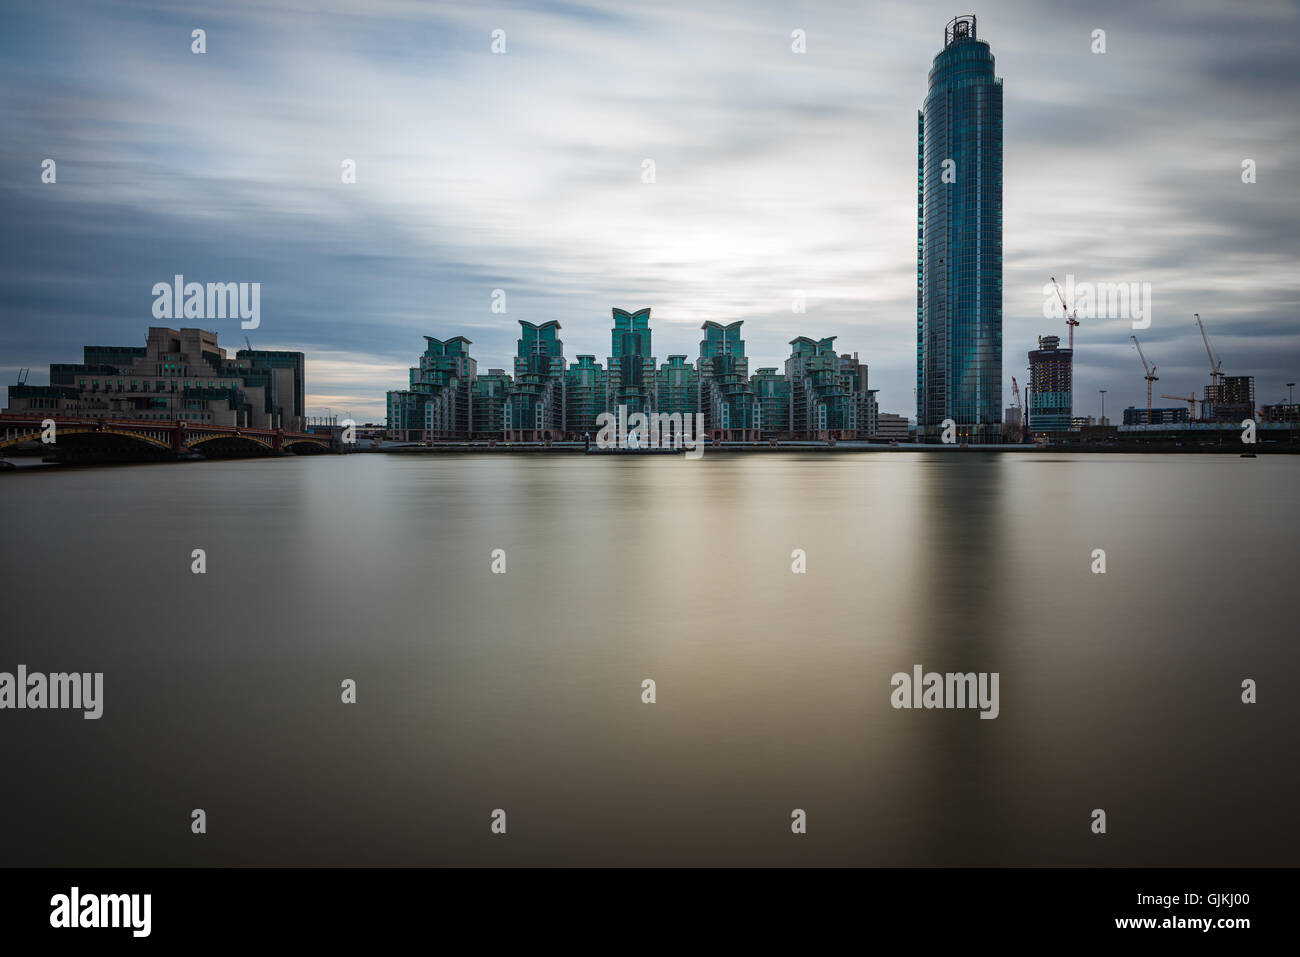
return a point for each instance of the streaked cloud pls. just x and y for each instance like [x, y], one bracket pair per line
[775, 172]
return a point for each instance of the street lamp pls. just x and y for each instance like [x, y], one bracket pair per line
[1291, 393]
[1103, 406]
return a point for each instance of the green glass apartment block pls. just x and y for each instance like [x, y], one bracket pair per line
[405, 415]
[772, 390]
[586, 388]
[959, 242]
[488, 404]
[631, 362]
[677, 388]
[862, 409]
[730, 408]
[819, 404]
[442, 383]
[534, 409]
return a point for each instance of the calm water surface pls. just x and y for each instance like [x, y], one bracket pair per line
[522, 691]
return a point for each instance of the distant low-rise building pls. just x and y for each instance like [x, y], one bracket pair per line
[1281, 412]
[1175, 416]
[892, 428]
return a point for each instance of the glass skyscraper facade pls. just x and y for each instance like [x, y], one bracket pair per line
[959, 242]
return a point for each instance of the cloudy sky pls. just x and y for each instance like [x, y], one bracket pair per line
[774, 172]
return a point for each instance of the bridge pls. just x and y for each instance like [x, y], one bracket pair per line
[85, 440]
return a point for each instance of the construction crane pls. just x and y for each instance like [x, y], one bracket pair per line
[1189, 399]
[1020, 407]
[1071, 316]
[1150, 376]
[1216, 366]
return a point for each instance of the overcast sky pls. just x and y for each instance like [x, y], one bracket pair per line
[774, 172]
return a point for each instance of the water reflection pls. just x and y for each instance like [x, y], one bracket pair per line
[523, 690]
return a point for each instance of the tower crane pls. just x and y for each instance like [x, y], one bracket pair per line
[1216, 366]
[1150, 375]
[1071, 315]
[1189, 399]
[1020, 407]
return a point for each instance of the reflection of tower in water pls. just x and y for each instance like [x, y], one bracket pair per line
[953, 767]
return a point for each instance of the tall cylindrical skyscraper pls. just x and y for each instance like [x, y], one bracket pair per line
[959, 242]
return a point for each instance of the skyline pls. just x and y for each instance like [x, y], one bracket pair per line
[776, 171]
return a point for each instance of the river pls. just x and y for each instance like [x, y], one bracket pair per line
[522, 691]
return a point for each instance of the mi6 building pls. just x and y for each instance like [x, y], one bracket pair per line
[177, 375]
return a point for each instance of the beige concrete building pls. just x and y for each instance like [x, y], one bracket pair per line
[176, 376]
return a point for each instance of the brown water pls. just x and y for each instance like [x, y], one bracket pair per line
[522, 691]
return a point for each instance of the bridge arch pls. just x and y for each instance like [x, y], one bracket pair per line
[64, 431]
[194, 441]
[308, 446]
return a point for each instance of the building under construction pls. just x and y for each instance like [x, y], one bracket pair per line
[1228, 398]
[1233, 401]
[1051, 386]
